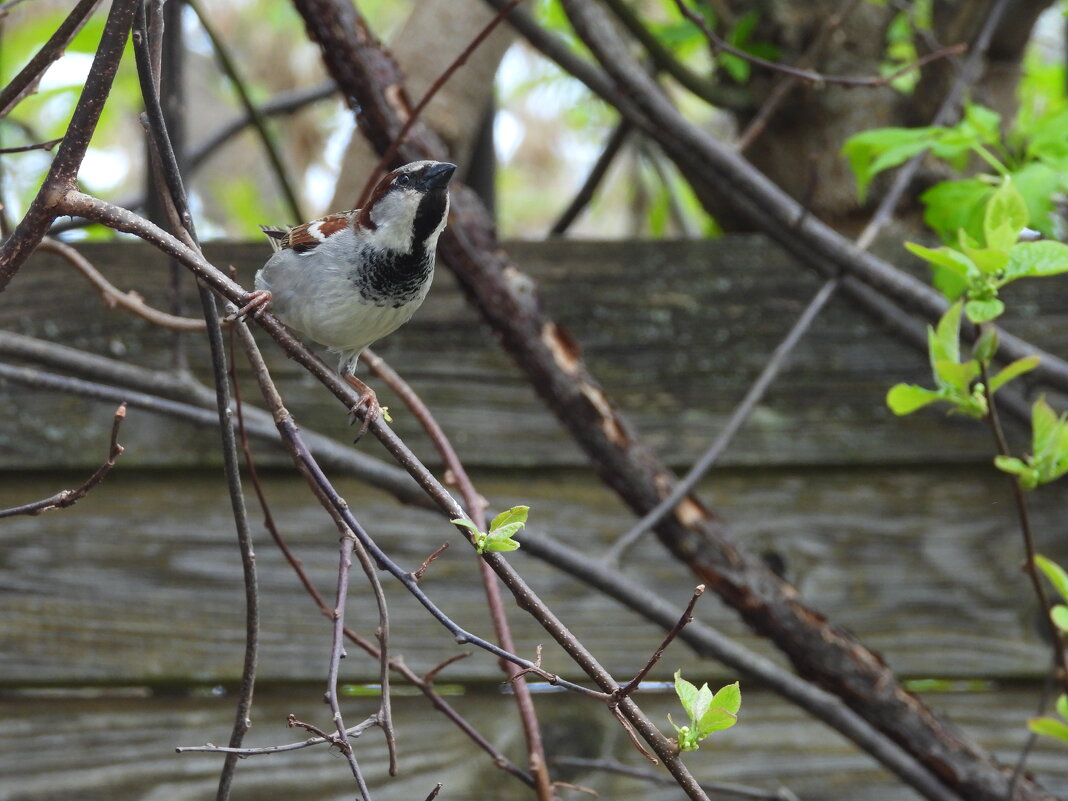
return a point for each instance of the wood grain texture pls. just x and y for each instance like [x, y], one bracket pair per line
[675, 331]
[99, 749]
[140, 582]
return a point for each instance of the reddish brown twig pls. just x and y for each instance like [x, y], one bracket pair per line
[114, 297]
[421, 570]
[459, 61]
[721, 45]
[686, 617]
[61, 500]
[475, 506]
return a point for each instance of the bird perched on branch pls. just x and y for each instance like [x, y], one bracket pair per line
[353, 277]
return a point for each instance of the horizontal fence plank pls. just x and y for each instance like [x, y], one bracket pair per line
[141, 581]
[675, 331]
[48, 754]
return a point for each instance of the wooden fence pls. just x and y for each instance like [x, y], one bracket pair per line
[897, 528]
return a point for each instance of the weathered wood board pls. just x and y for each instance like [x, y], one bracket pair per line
[111, 747]
[141, 581]
[674, 330]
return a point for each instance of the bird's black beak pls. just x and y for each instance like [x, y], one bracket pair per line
[437, 176]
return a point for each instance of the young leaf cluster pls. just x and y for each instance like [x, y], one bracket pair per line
[956, 381]
[977, 269]
[1050, 726]
[501, 531]
[1048, 460]
[707, 712]
[1033, 155]
[872, 152]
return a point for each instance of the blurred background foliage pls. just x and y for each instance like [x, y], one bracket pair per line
[548, 129]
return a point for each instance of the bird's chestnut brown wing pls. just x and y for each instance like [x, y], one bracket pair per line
[307, 236]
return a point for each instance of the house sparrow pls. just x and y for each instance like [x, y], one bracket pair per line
[353, 277]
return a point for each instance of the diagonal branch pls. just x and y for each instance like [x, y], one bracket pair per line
[26, 81]
[17, 247]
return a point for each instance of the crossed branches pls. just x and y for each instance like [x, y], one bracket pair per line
[934, 758]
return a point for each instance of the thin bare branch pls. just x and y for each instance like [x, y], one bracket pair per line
[25, 83]
[439, 82]
[27, 235]
[473, 500]
[51, 143]
[171, 189]
[721, 45]
[719, 788]
[252, 112]
[114, 297]
[673, 632]
[320, 738]
[66, 498]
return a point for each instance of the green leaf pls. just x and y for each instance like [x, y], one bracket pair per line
[983, 311]
[702, 704]
[498, 545]
[946, 257]
[871, 152]
[507, 531]
[907, 398]
[1062, 705]
[1037, 258]
[716, 719]
[944, 341]
[1012, 370]
[1051, 727]
[466, 524]
[984, 121]
[1059, 615]
[956, 375]
[950, 206]
[1039, 183]
[1047, 143]
[517, 514]
[1006, 215]
[1044, 425]
[686, 692]
[729, 698]
[1055, 573]
[986, 347]
[1025, 474]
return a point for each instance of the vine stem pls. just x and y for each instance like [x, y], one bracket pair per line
[1026, 531]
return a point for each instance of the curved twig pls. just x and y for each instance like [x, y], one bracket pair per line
[113, 296]
[172, 192]
[475, 506]
[69, 497]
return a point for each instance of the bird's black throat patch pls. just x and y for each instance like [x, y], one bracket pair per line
[391, 278]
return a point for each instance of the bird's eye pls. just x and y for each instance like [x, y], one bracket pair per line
[402, 180]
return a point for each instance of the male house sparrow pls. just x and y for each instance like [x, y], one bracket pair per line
[353, 277]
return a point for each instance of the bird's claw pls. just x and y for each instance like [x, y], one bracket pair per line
[366, 407]
[256, 302]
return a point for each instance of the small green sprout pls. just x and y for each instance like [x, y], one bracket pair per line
[708, 713]
[1049, 449]
[956, 379]
[1058, 577]
[977, 272]
[499, 537]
